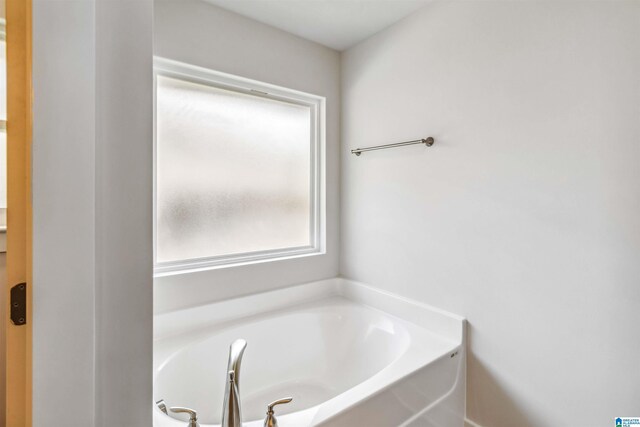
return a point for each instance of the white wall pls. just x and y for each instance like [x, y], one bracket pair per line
[524, 215]
[124, 221]
[92, 154]
[63, 211]
[195, 32]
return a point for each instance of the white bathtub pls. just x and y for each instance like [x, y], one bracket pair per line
[349, 355]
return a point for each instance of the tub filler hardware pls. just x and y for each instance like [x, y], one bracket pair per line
[193, 416]
[231, 412]
[163, 406]
[429, 141]
[271, 420]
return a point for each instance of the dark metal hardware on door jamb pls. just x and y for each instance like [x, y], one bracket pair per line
[19, 304]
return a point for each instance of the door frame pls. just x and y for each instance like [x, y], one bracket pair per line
[19, 217]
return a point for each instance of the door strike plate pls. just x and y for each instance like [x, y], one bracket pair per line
[19, 304]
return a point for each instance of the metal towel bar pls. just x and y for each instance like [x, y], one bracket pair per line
[426, 141]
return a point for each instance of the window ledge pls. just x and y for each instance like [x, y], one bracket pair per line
[204, 264]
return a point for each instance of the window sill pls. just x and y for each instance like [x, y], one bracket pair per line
[197, 265]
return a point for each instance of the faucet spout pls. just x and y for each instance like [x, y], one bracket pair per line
[231, 413]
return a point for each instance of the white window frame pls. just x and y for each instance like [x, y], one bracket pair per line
[317, 233]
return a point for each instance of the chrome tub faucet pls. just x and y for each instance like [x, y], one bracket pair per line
[231, 412]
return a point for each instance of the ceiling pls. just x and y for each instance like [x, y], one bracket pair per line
[338, 24]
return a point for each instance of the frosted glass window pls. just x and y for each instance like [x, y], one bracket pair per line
[234, 172]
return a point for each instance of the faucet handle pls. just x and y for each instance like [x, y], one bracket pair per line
[271, 420]
[193, 416]
[278, 402]
[162, 405]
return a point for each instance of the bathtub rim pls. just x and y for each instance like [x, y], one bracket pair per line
[447, 325]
